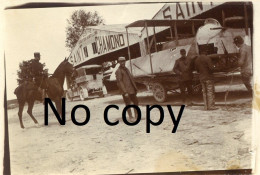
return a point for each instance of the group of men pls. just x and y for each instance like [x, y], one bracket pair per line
[204, 66]
[184, 68]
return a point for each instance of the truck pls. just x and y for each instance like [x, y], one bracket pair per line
[87, 84]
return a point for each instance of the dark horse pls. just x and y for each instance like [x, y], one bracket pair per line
[28, 92]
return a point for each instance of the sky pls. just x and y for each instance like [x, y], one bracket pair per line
[43, 30]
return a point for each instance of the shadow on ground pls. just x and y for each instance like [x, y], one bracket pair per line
[234, 98]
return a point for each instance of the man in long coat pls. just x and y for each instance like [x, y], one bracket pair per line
[127, 86]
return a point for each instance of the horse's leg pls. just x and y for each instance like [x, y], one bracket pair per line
[58, 106]
[20, 113]
[29, 111]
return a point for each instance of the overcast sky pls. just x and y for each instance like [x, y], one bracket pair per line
[43, 30]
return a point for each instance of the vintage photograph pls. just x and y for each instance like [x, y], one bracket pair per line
[130, 88]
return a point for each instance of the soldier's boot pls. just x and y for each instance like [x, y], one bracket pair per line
[204, 93]
[130, 115]
[211, 95]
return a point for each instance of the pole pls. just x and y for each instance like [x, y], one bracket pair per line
[246, 19]
[176, 33]
[154, 38]
[171, 32]
[223, 18]
[193, 28]
[129, 54]
[148, 43]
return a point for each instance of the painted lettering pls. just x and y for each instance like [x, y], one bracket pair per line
[200, 5]
[193, 7]
[187, 7]
[165, 16]
[121, 38]
[179, 11]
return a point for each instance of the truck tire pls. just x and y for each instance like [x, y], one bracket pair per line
[83, 94]
[159, 92]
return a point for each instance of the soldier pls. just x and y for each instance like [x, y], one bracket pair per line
[33, 74]
[245, 62]
[126, 86]
[205, 68]
[36, 73]
[36, 69]
[183, 69]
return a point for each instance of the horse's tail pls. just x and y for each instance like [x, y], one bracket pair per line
[16, 91]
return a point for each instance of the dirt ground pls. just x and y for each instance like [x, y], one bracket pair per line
[205, 140]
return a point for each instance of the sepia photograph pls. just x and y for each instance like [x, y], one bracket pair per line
[130, 88]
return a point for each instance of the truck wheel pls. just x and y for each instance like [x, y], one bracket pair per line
[83, 94]
[68, 97]
[159, 92]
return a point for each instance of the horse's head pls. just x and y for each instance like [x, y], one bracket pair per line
[65, 69]
[68, 69]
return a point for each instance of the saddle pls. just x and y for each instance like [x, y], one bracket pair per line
[25, 87]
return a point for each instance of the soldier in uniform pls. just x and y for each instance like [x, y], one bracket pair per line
[245, 62]
[34, 74]
[204, 66]
[182, 68]
[36, 69]
[126, 86]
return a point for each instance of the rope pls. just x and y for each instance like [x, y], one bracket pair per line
[230, 83]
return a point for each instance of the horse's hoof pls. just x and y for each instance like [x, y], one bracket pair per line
[22, 127]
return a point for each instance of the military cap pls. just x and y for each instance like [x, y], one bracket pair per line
[121, 59]
[37, 54]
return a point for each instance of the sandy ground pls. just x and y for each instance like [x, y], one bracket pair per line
[205, 140]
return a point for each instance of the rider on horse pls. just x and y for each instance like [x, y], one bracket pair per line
[35, 76]
[36, 69]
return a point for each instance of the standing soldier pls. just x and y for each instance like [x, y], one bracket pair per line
[126, 86]
[183, 69]
[245, 62]
[205, 68]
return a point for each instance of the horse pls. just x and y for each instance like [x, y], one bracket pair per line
[28, 92]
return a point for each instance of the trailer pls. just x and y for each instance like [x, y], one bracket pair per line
[88, 83]
[160, 51]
